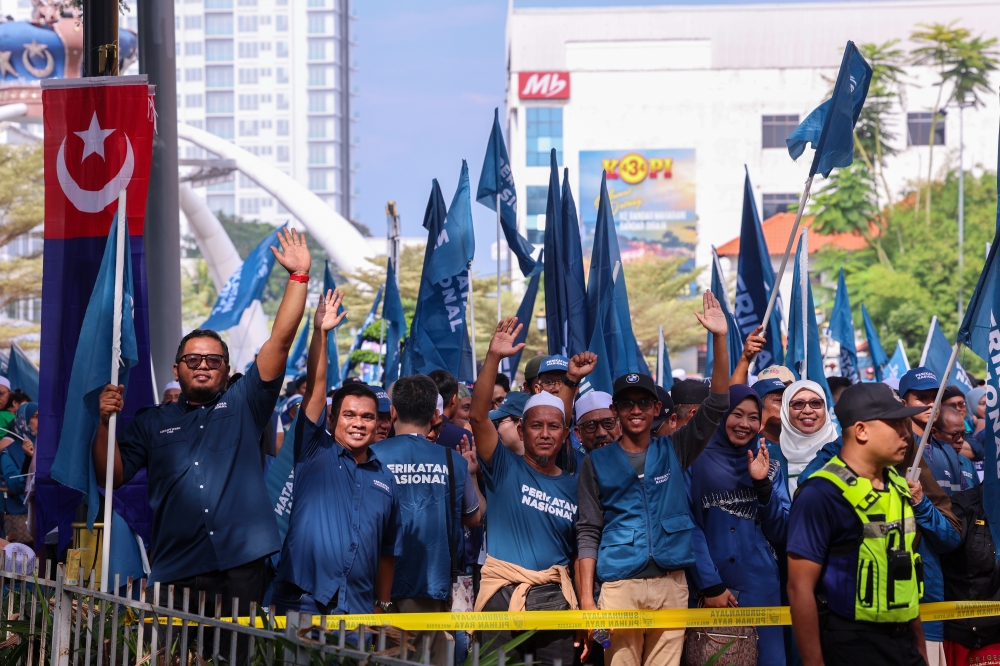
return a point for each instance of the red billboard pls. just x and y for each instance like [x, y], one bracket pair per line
[543, 85]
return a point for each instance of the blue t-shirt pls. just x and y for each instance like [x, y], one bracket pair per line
[532, 516]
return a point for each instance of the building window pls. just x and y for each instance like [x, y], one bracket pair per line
[778, 203]
[194, 153]
[282, 73]
[282, 153]
[318, 49]
[265, 20]
[281, 101]
[222, 203]
[282, 128]
[266, 124]
[265, 46]
[219, 50]
[775, 129]
[318, 153]
[918, 129]
[195, 123]
[249, 103]
[265, 99]
[318, 75]
[247, 24]
[219, 102]
[320, 102]
[193, 101]
[318, 128]
[544, 133]
[225, 186]
[537, 200]
[192, 22]
[317, 180]
[219, 24]
[219, 76]
[281, 23]
[281, 49]
[248, 75]
[248, 49]
[247, 3]
[192, 48]
[218, 4]
[265, 71]
[250, 206]
[193, 74]
[317, 24]
[316, 3]
[249, 128]
[220, 127]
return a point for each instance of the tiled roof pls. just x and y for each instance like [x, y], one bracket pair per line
[777, 228]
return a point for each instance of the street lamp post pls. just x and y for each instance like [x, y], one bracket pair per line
[100, 37]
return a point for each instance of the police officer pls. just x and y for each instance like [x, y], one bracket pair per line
[213, 526]
[853, 571]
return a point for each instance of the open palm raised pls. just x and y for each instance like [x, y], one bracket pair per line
[294, 256]
[502, 345]
[328, 312]
[713, 319]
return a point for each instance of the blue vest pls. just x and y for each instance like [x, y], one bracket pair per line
[643, 518]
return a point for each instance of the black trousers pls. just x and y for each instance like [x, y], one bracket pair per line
[545, 646]
[852, 643]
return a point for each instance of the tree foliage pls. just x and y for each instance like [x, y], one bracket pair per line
[22, 208]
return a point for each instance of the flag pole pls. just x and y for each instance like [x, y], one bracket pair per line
[914, 472]
[472, 326]
[116, 352]
[499, 231]
[803, 296]
[659, 357]
[381, 341]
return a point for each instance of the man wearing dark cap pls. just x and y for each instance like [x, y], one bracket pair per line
[665, 422]
[531, 374]
[688, 395]
[634, 529]
[770, 391]
[383, 421]
[853, 573]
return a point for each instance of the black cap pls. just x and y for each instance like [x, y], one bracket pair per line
[666, 408]
[634, 380]
[951, 392]
[689, 392]
[873, 401]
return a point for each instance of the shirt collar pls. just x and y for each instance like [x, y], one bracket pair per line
[372, 458]
[183, 403]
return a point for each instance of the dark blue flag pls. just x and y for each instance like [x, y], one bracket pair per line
[830, 127]
[332, 358]
[664, 375]
[754, 282]
[497, 180]
[296, 362]
[733, 342]
[525, 313]
[280, 480]
[937, 352]
[21, 372]
[244, 286]
[879, 359]
[438, 331]
[799, 338]
[360, 337]
[898, 364]
[842, 330]
[572, 270]
[604, 346]
[395, 325]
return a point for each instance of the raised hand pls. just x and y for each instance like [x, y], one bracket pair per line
[327, 317]
[581, 365]
[502, 345]
[760, 465]
[294, 256]
[468, 451]
[755, 342]
[713, 319]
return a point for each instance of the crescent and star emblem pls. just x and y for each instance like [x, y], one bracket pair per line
[36, 50]
[94, 201]
[5, 65]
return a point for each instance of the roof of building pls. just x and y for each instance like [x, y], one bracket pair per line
[777, 228]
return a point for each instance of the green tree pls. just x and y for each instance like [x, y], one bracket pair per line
[22, 208]
[847, 205]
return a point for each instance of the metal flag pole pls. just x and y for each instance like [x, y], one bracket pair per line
[659, 358]
[116, 353]
[472, 330]
[914, 472]
[499, 231]
[803, 296]
[381, 341]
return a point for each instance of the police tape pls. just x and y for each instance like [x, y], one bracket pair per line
[677, 618]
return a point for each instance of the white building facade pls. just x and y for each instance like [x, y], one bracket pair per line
[674, 101]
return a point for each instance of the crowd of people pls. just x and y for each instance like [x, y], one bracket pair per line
[428, 496]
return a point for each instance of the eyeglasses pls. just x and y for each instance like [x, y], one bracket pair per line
[626, 405]
[213, 361]
[498, 402]
[960, 406]
[550, 383]
[957, 436]
[498, 422]
[590, 427]
[799, 405]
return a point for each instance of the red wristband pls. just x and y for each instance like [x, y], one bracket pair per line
[298, 278]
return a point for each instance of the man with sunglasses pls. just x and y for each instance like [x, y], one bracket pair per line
[634, 529]
[213, 526]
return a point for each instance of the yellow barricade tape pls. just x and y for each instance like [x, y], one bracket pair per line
[679, 618]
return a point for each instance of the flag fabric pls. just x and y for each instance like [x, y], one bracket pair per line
[898, 364]
[830, 127]
[733, 342]
[937, 352]
[244, 286]
[797, 338]
[438, 329]
[879, 359]
[525, 313]
[395, 327]
[21, 372]
[842, 330]
[332, 360]
[980, 333]
[603, 375]
[754, 282]
[296, 362]
[497, 179]
[360, 337]
[664, 375]
[98, 140]
[280, 481]
[565, 292]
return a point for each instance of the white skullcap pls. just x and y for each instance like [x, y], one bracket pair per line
[892, 382]
[544, 399]
[590, 401]
[4, 382]
[440, 405]
[172, 385]
[679, 374]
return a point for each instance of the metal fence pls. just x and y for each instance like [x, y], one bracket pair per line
[43, 620]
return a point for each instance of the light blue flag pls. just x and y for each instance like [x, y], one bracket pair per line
[842, 330]
[879, 359]
[525, 312]
[244, 286]
[937, 352]
[733, 343]
[296, 363]
[898, 364]
[497, 180]
[360, 337]
[798, 339]
[830, 127]
[332, 360]
[21, 372]
[664, 374]
[74, 464]
[395, 326]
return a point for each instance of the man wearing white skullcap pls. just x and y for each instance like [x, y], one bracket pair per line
[171, 392]
[596, 424]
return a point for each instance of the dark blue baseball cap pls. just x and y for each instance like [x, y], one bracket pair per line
[384, 404]
[512, 405]
[765, 386]
[554, 363]
[917, 379]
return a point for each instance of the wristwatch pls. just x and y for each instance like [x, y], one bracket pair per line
[570, 383]
[386, 606]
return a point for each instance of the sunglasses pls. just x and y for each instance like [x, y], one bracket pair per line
[799, 405]
[590, 427]
[498, 422]
[213, 361]
[626, 405]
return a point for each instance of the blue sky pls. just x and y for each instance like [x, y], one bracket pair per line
[430, 75]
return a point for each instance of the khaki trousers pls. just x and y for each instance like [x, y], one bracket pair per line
[645, 647]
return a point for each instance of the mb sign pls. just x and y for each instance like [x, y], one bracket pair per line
[543, 85]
